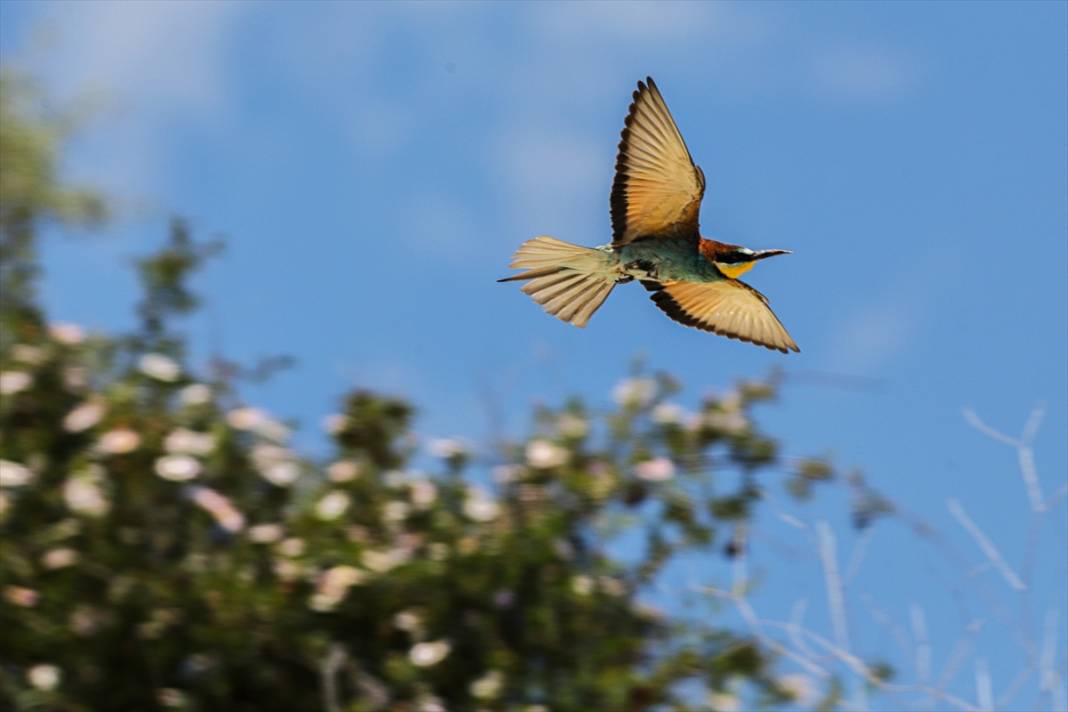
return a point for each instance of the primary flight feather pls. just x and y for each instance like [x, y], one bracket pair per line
[656, 239]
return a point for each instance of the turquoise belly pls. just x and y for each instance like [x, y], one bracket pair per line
[666, 259]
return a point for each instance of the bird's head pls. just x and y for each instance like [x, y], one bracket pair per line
[734, 260]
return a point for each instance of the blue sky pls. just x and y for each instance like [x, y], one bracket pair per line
[374, 166]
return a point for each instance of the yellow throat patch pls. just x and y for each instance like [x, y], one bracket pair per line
[734, 271]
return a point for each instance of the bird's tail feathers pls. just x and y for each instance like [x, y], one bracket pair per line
[569, 281]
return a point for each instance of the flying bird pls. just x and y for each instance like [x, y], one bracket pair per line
[656, 198]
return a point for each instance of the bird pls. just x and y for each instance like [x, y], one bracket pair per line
[656, 239]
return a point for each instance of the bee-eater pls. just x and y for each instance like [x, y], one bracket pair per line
[656, 197]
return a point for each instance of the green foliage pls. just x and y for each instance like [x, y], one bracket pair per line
[163, 547]
[30, 195]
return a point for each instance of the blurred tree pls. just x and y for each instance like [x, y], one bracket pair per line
[161, 546]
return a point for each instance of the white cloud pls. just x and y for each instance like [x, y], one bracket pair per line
[154, 65]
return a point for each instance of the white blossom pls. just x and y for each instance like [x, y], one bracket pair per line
[430, 703]
[424, 493]
[160, 367]
[118, 442]
[395, 512]
[668, 414]
[732, 422]
[29, 355]
[190, 442]
[67, 334]
[220, 508]
[271, 429]
[14, 474]
[635, 392]
[44, 677]
[429, 653]
[801, 689]
[572, 426]
[544, 454]
[480, 507]
[246, 418]
[291, 547]
[332, 505]
[335, 423]
[12, 382]
[59, 558]
[195, 394]
[395, 478]
[447, 448]
[21, 596]
[488, 686]
[581, 585]
[724, 702]
[332, 586]
[408, 621]
[84, 416]
[281, 474]
[178, 468]
[658, 469]
[172, 697]
[84, 493]
[384, 561]
[343, 471]
[256, 421]
[265, 533]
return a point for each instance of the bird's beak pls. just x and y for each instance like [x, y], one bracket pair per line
[761, 254]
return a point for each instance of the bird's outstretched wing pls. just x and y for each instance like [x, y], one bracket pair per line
[657, 188]
[727, 307]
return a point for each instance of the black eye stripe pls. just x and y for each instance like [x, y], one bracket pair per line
[733, 258]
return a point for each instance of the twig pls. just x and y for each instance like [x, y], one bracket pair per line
[985, 544]
[1055, 497]
[859, 667]
[828, 557]
[856, 558]
[983, 689]
[1049, 650]
[797, 615]
[975, 422]
[1024, 454]
[923, 645]
[959, 654]
[882, 618]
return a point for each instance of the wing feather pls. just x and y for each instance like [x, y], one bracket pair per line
[657, 188]
[727, 307]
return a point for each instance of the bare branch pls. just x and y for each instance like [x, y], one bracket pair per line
[923, 645]
[1033, 422]
[985, 544]
[974, 421]
[1026, 457]
[828, 556]
[1049, 651]
[856, 558]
